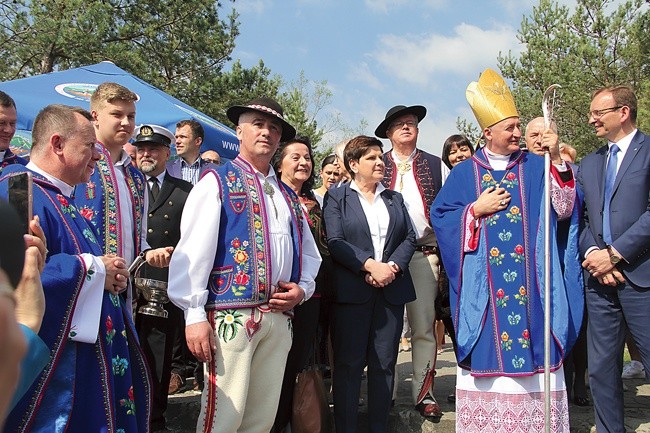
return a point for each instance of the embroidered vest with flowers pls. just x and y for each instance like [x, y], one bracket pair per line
[241, 275]
[98, 202]
[427, 172]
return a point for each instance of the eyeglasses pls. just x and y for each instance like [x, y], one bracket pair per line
[409, 123]
[213, 161]
[597, 114]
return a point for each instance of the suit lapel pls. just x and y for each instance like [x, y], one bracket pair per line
[165, 191]
[632, 151]
[392, 214]
[354, 203]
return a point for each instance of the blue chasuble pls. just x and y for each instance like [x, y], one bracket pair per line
[85, 387]
[497, 291]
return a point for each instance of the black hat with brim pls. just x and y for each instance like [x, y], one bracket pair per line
[267, 106]
[397, 111]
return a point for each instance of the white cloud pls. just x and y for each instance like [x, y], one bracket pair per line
[417, 59]
[362, 73]
[384, 6]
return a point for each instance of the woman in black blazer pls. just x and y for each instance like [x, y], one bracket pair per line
[371, 241]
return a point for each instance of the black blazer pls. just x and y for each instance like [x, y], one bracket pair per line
[350, 244]
[164, 220]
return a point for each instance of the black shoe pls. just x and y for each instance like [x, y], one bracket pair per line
[429, 410]
[582, 401]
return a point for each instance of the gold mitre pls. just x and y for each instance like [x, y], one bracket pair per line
[490, 99]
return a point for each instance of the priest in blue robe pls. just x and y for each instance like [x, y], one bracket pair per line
[96, 379]
[489, 221]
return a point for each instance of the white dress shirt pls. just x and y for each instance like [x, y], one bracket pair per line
[414, 201]
[377, 217]
[125, 209]
[193, 258]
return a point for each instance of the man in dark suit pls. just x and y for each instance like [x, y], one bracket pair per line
[167, 197]
[615, 242]
[188, 140]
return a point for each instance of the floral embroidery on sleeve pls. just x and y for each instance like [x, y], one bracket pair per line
[66, 207]
[129, 404]
[110, 332]
[90, 272]
[120, 365]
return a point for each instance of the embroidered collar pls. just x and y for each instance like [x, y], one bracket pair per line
[65, 189]
[482, 159]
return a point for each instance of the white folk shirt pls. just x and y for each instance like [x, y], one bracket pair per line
[125, 207]
[413, 200]
[193, 258]
[377, 217]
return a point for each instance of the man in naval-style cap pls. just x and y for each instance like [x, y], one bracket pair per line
[167, 195]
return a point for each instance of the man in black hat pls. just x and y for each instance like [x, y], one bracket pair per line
[418, 175]
[246, 257]
[167, 197]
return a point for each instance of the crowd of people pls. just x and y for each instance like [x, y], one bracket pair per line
[267, 274]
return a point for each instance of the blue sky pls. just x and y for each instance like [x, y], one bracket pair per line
[375, 54]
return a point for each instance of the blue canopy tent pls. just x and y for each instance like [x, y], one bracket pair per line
[74, 87]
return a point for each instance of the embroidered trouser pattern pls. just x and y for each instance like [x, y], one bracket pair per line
[421, 316]
[244, 378]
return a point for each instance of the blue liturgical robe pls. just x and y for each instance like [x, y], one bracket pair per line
[96, 386]
[497, 290]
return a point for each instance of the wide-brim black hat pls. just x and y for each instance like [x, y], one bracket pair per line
[397, 111]
[266, 106]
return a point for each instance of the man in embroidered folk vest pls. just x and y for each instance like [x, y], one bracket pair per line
[489, 221]
[114, 198]
[96, 379]
[8, 119]
[418, 176]
[243, 262]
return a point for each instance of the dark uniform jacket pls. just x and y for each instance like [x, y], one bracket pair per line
[164, 224]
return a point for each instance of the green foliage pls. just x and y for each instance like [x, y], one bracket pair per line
[471, 131]
[595, 46]
[181, 47]
[237, 86]
[165, 42]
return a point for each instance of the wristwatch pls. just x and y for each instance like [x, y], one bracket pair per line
[613, 257]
